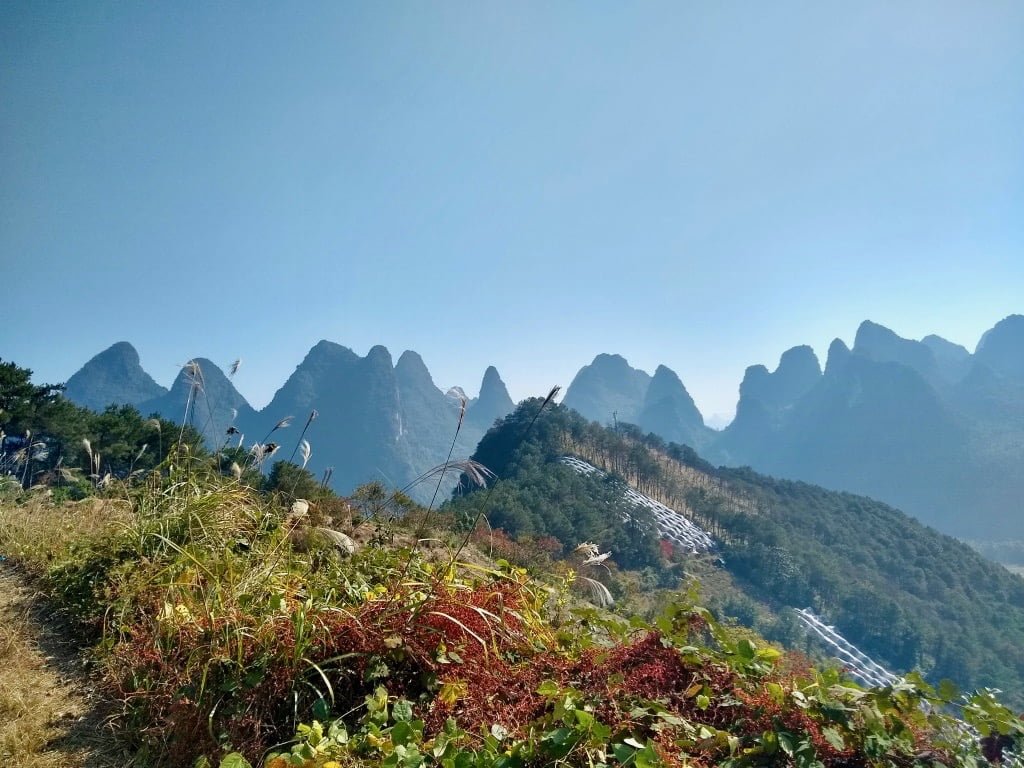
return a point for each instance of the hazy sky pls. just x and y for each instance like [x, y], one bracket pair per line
[523, 184]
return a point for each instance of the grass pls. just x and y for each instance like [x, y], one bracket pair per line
[36, 532]
[49, 716]
[225, 627]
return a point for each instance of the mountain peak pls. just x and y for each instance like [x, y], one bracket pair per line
[1002, 347]
[493, 402]
[953, 360]
[870, 333]
[114, 376]
[610, 361]
[411, 368]
[878, 343]
[668, 410]
[492, 383]
[213, 406]
[609, 388]
[379, 355]
[797, 372]
[799, 357]
[838, 356]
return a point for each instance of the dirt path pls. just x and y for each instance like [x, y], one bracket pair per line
[50, 714]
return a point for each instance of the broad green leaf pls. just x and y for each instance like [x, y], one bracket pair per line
[548, 688]
[402, 733]
[834, 738]
[746, 649]
[401, 711]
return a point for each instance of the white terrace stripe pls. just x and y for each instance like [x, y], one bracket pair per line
[859, 663]
[672, 525]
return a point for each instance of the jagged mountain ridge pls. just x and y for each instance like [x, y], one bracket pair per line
[376, 420]
[609, 390]
[924, 425]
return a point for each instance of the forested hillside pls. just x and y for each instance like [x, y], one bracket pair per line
[891, 585]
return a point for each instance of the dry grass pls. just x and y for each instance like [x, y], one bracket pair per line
[49, 714]
[37, 531]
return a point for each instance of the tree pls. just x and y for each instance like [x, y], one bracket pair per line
[22, 403]
[293, 481]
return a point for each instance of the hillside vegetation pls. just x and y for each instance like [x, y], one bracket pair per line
[892, 586]
[232, 623]
[232, 632]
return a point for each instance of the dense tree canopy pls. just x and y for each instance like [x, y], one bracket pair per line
[65, 436]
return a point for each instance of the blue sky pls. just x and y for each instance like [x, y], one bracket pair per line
[521, 184]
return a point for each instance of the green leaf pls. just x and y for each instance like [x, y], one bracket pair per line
[234, 760]
[786, 743]
[402, 733]
[948, 690]
[321, 709]
[746, 649]
[401, 710]
[548, 688]
[560, 741]
[834, 738]
[623, 753]
[647, 758]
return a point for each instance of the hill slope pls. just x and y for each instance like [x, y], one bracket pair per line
[909, 596]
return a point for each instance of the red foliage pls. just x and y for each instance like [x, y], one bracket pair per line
[481, 626]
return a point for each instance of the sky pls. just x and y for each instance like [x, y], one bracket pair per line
[522, 184]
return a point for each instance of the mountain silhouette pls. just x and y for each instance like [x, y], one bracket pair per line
[113, 377]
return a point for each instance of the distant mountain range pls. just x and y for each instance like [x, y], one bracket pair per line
[924, 425]
[375, 419]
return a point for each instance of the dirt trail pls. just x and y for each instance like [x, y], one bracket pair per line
[50, 713]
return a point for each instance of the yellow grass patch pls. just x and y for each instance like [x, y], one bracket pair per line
[48, 713]
[35, 532]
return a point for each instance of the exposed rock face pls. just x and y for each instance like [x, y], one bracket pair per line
[113, 377]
